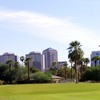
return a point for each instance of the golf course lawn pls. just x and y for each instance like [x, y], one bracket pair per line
[68, 91]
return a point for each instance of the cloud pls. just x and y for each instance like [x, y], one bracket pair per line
[60, 30]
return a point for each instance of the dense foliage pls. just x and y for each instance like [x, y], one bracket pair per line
[92, 74]
[19, 75]
[40, 77]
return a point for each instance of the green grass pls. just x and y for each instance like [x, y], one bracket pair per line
[69, 91]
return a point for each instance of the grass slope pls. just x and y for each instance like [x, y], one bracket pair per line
[69, 91]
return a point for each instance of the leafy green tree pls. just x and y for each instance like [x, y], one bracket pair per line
[21, 74]
[75, 54]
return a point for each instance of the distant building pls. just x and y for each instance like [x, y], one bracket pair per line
[7, 56]
[50, 56]
[37, 60]
[61, 64]
[93, 54]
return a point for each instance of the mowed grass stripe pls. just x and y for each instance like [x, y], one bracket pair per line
[68, 91]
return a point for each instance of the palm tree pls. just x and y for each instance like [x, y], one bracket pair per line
[27, 61]
[75, 54]
[95, 59]
[9, 63]
[22, 59]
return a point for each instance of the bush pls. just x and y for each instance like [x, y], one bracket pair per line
[40, 77]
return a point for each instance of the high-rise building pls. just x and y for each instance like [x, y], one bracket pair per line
[93, 54]
[7, 56]
[50, 55]
[37, 60]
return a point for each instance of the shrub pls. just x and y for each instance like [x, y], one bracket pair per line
[40, 77]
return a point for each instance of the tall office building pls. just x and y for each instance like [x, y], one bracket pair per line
[7, 56]
[37, 60]
[93, 54]
[50, 56]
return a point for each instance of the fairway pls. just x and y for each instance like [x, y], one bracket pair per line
[68, 91]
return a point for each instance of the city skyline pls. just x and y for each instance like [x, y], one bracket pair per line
[41, 61]
[29, 53]
[35, 25]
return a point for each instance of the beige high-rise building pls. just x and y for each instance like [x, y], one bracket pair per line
[50, 56]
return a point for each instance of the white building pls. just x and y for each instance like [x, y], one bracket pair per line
[93, 54]
[7, 56]
[37, 60]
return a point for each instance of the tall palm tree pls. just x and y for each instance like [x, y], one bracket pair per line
[9, 63]
[27, 61]
[75, 54]
[95, 59]
[22, 59]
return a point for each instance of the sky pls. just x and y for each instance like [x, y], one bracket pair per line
[35, 25]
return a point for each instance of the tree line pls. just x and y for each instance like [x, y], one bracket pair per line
[14, 73]
[78, 70]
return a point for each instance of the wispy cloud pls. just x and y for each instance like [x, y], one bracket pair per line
[56, 29]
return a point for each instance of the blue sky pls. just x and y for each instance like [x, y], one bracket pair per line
[34, 25]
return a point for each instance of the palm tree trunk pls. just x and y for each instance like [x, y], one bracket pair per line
[76, 73]
[71, 70]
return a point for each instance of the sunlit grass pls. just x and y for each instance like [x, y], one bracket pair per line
[68, 91]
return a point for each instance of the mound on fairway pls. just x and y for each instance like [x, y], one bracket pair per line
[69, 91]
